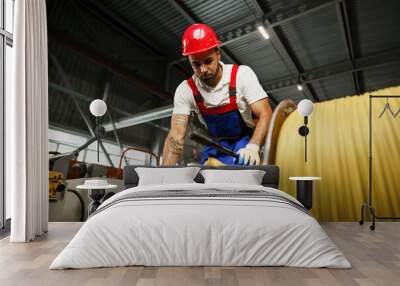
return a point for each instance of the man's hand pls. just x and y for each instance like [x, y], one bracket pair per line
[249, 155]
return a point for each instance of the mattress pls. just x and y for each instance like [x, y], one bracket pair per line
[201, 225]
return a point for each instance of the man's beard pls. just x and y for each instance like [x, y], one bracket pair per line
[210, 78]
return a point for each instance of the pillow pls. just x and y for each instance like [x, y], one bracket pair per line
[166, 176]
[248, 177]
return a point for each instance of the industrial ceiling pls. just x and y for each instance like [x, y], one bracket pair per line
[128, 53]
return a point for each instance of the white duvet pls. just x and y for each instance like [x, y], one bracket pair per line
[185, 231]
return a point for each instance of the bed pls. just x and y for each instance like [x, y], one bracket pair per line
[198, 224]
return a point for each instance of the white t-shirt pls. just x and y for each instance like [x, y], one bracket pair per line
[248, 91]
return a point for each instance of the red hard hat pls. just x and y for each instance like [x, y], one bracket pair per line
[198, 38]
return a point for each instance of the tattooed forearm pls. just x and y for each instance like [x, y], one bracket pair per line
[179, 121]
[174, 143]
[175, 146]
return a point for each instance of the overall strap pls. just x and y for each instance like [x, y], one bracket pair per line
[196, 94]
[232, 83]
[195, 91]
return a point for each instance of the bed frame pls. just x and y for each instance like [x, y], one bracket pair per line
[270, 179]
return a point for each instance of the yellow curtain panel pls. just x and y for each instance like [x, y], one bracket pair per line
[338, 153]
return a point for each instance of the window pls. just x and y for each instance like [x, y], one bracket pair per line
[8, 72]
[6, 67]
[9, 16]
[2, 137]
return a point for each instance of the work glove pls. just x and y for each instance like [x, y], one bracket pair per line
[249, 155]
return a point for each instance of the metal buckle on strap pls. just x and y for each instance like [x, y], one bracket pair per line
[198, 98]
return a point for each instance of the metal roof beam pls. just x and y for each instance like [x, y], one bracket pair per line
[274, 20]
[344, 25]
[143, 117]
[125, 28]
[110, 64]
[83, 97]
[119, 24]
[87, 98]
[285, 53]
[79, 132]
[336, 69]
[67, 82]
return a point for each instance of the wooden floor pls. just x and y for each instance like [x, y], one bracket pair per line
[375, 256]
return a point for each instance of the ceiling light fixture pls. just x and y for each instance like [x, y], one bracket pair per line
[299, 87]
[263, 32]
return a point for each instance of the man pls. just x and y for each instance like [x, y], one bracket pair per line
[225, 97]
